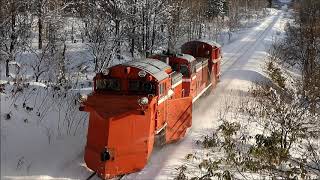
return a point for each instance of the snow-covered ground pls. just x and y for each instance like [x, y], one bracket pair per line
[285, 1]
[27, 152]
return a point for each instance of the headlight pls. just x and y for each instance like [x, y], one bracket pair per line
[143, 101]
[83, 98]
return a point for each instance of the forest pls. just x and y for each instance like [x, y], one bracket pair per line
[111, 30]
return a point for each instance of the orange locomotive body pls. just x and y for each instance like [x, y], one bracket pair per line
[141, 102]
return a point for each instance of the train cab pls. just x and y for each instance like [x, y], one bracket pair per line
[182, 63]
[203, 49]
[199, 63]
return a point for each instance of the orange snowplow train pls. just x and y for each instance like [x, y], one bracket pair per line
[138, 104]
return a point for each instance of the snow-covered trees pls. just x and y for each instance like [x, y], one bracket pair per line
[15, 29]
[216, 8]
[113, 30]
[272, 133]
[301, 48]
[287, 146]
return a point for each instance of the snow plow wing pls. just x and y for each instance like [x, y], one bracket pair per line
[179, 118]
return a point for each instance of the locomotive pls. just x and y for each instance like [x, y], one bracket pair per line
[140, 103]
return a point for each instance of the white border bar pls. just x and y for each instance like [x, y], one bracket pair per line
[162, 99]
[165, 125]
[177, 84]
[198, 96]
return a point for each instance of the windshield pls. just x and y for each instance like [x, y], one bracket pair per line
[108, 84]
[141, 86]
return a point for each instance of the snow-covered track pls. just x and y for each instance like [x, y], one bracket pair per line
[248, 46]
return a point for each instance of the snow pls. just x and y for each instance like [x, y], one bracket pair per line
[285, 1]
[44, 134]
[14, 63]
[39, 150]
[37, 84]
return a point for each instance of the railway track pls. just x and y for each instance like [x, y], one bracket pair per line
[248, 46]
[91, 176]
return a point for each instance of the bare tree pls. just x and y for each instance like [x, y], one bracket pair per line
[301, 47]
[15, 30]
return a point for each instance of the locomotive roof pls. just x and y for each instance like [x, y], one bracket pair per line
[152, 66]
[187, 57]
[211, 43]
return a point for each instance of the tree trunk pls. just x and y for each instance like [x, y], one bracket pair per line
[171, 38]
[95, 65]
[37, 78]
[270, 3]
[143, 29]
[40, 24]
[133, 30]
[62, 66]
[13, 37]
[7, 68]
[72, 34]
[153, 32]
[132, 43]
[118, 43]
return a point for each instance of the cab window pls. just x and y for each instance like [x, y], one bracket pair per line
[134, 85]
[141, 86]
[108, 84]
[161, 89]
[175, 67]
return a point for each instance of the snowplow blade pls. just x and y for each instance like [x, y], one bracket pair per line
[179, 118]
[120, 143]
